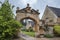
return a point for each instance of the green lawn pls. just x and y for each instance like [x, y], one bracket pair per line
[29, 33]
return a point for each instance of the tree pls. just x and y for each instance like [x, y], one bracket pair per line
[6, 11]
[8, 25]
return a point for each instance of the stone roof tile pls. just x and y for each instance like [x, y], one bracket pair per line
[55, 10]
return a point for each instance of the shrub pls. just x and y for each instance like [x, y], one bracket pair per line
[48, 35]
[57, 30]
[9, 29]
[30, 29]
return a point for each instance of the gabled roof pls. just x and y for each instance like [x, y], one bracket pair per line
[55, 10]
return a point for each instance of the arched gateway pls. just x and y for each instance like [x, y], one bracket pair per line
[29, 14]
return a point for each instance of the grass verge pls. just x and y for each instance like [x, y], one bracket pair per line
[29, 33]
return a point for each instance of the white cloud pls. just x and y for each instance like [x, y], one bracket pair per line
[31, 2]
[49, 1]
[0, 5]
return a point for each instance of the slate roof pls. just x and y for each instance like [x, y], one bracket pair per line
[55, 10]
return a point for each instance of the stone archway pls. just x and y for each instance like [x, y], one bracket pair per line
[35, 29]
[28, 13]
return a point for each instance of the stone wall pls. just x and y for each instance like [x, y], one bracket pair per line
[50, 15]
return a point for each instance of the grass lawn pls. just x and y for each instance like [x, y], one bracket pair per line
[29, 33]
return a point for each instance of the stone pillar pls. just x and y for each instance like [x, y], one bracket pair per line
[36, 30]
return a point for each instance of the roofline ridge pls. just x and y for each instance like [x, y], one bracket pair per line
[53, 7]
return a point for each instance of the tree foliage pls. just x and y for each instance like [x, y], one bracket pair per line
[8, 25]
[6, 11]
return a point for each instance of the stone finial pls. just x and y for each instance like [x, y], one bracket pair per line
[18, 8]
[47, 5]
[37, 10]
[28, 5]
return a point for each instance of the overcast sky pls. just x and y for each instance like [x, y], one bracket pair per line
[35, 4]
